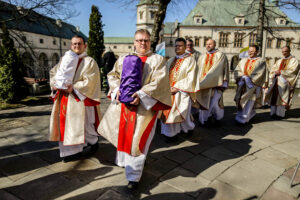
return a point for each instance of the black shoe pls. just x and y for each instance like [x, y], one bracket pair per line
[132, 185]
[170, 139]
[72, 157]
[94, 148]
[239, 124]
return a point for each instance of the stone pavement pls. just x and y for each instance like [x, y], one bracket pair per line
[226, 162]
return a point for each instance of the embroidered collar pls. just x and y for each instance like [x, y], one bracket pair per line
[289, 57]
[212, 51]
[181, 56]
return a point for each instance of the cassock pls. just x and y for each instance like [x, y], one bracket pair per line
[182, 76]
[250, 75]
[213, 78]
[131, 128]
[76, 116]
[281, 87]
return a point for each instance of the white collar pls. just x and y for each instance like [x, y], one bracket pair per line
[181, 56]
[82, 55]
[288, 57]
[253, 58]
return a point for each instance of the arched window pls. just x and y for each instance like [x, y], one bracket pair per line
[234, 62]
[29, 64]
[43, 64]
[54, 59]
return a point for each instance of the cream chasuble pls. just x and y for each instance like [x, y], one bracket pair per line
[282, 86]
[155, 83]
[250, 88]
[87, 82]
[213, 72]
[182, 76]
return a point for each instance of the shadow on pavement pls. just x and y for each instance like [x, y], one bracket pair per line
[24, 114]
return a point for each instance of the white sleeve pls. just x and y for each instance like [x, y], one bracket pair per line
[113, 95]
[80, 96]
[147, 101]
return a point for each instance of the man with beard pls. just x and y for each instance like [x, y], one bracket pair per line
[283, 77]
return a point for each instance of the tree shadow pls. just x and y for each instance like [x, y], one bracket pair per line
[59, 184]
[24, 114]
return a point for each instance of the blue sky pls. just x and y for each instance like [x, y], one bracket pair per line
[120, 20]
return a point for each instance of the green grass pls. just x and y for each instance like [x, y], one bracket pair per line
[28, 101]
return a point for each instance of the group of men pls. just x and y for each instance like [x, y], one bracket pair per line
[186, 88]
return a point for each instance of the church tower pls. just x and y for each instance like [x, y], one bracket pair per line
[145, 14]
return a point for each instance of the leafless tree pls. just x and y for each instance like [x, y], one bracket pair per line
[13, 13]
[159, 16]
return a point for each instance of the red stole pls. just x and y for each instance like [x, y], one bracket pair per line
[64, 103]
[127, 126]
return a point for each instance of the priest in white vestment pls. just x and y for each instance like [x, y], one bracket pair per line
[213, 78]
[76, 111]
[283, 78]
[250, 76]
[132, 128]
[182, 77]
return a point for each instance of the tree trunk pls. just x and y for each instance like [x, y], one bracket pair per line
[260, 28]
[158, 21]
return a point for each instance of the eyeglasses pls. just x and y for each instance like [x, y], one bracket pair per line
[141, 41]
[79, 44]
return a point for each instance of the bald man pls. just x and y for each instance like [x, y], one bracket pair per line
[213, 77]
[283, 78]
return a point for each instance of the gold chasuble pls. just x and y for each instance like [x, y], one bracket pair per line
[182, 76]
[256, 70]
[155, 83]
[281, 88]
[69, 107]
[213, 72]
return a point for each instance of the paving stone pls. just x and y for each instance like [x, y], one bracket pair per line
[276, 158]
[274, 194]
[82, 169]
[292, 148]
[4, 181]
[283, 185]
[147, 181]
[51, 186]
[223, 155]
[113, 178]
[274, 135]
[166, 192]
[245, 175]
[110, 194]
[184, 180]
[17, 167]
[160, 167]
[179, 156]
[7, 196]
[84, 192]
[31, 147]
[198, 164]
[225, 191]
[290, 172]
